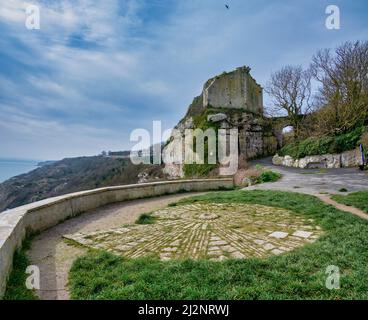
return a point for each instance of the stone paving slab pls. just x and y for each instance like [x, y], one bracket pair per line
[208, 231]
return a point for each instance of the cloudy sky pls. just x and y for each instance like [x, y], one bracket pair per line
[97, 69]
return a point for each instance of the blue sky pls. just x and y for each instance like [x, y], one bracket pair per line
[96, 70]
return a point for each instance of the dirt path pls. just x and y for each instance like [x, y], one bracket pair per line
[54, 256]
[353, 210]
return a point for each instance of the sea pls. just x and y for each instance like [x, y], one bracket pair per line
[13, 167]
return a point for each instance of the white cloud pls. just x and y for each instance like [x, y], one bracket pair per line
[100, 65]
[13, 11]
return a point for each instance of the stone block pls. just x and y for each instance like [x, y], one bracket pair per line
[278, 235]
[288, 161]
[217, 117]
[277, 160]
[352, 158]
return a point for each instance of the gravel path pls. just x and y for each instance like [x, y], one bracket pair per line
[314, 181]
[320, 183]
[54, 256]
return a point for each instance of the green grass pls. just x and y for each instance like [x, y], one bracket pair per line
[296, 275]
[356, 199]
[16, 288]
[146, 218]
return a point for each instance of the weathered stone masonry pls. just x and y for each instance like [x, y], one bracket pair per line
[238, 99]
[235, 90]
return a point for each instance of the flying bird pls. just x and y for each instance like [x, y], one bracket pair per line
[227, 6]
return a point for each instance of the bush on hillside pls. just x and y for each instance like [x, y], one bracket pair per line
[324, 145]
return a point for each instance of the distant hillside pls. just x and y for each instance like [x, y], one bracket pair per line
[70, 175]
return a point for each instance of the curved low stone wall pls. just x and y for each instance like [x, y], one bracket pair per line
[16, 223]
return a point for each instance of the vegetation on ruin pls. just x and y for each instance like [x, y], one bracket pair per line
[355, 199]
[196, 169]
[299, 274]
[200, 121]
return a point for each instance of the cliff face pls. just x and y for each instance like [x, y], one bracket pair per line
[232, 100]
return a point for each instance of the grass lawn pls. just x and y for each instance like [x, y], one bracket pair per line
[296, 275]
[356, 199]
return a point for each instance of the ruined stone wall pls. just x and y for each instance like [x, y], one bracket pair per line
[235, 90]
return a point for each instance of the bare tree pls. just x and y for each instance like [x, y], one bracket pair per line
[290, 92]
[343, 75]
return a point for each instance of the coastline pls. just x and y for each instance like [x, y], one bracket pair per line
[13, 167]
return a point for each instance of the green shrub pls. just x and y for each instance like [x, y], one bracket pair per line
[145, 218]
[268, 176]
[331, 144]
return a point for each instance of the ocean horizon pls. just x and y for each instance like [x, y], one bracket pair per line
[13, 167]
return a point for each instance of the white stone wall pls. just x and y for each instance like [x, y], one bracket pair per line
[38, 216]
[346, 159]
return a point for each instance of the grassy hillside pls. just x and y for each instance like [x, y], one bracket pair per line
[70, 175]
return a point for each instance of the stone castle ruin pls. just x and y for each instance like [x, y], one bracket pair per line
[235, 90]
[232, 100]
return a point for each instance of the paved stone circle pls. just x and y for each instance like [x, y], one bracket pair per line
[213, 231]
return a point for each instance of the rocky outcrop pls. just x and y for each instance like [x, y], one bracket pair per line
[232, 100]
[346, 159]
[217, 117]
